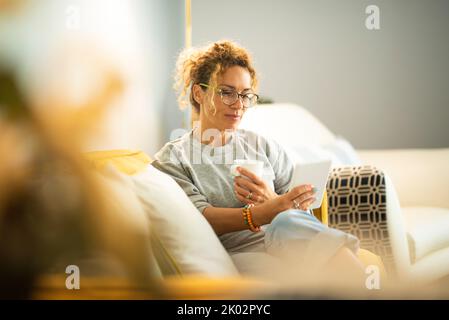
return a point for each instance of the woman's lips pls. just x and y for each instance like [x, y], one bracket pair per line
[233, 116]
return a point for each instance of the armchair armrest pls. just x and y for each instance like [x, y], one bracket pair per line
[321, 213]
[358, 205]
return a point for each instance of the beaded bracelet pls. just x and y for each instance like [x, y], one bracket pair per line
[247, 217]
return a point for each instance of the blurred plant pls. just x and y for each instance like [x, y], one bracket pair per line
[53, 209]
[7, 6]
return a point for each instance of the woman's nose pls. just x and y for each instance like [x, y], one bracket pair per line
[238, 104]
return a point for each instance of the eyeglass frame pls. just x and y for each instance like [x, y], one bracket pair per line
[238, 95]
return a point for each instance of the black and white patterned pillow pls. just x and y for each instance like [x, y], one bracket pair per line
[357, 205]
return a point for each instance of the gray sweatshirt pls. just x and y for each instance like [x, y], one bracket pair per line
[203, 172]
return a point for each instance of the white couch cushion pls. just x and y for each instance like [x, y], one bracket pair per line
[411, 169]
[287, 123]
[433, 267]
[343, 153]
[121, 213]
[182, 229]
[302, 135]
[427, 230]
[339, 151]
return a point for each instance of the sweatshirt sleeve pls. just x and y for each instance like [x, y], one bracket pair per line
[169, 161]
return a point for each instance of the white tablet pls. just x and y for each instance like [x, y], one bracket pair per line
[316, 174]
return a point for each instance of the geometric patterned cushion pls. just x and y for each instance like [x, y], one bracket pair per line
[357, 205]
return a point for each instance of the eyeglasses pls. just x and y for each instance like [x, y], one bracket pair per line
[230, 96]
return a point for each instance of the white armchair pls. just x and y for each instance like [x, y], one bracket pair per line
[414, 185]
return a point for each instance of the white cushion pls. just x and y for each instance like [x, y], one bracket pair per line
[421, 176]
[301, 134]
[343, 153]
[432, 267]
[339, 151]
[287, 123]
[122, 214]
[427, 230]
[182, 229]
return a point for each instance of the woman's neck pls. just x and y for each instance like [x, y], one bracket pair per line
[213, 137]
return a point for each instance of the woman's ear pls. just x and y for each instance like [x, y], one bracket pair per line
[198, 93]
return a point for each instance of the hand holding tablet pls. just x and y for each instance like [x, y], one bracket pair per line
[316, 174]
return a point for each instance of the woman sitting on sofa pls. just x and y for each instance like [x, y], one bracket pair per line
[250, 213]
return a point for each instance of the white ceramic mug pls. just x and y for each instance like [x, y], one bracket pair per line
[255, 166]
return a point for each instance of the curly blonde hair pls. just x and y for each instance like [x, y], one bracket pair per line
[204, 64]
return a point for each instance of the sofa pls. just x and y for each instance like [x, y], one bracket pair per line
[190, 261]
[407, 220]
[187, 255]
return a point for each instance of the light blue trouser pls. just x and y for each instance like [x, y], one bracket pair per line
[300, 235]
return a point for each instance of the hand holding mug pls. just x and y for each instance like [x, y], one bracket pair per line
[249, 187]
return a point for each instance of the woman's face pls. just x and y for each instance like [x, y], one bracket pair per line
[226, 117]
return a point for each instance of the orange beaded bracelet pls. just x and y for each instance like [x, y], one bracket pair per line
[247, 217]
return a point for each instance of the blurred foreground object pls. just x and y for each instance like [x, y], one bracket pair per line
[54, 210]
[8, 6]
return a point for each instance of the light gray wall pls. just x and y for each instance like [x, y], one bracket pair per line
[379, 89]
[168, 19]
